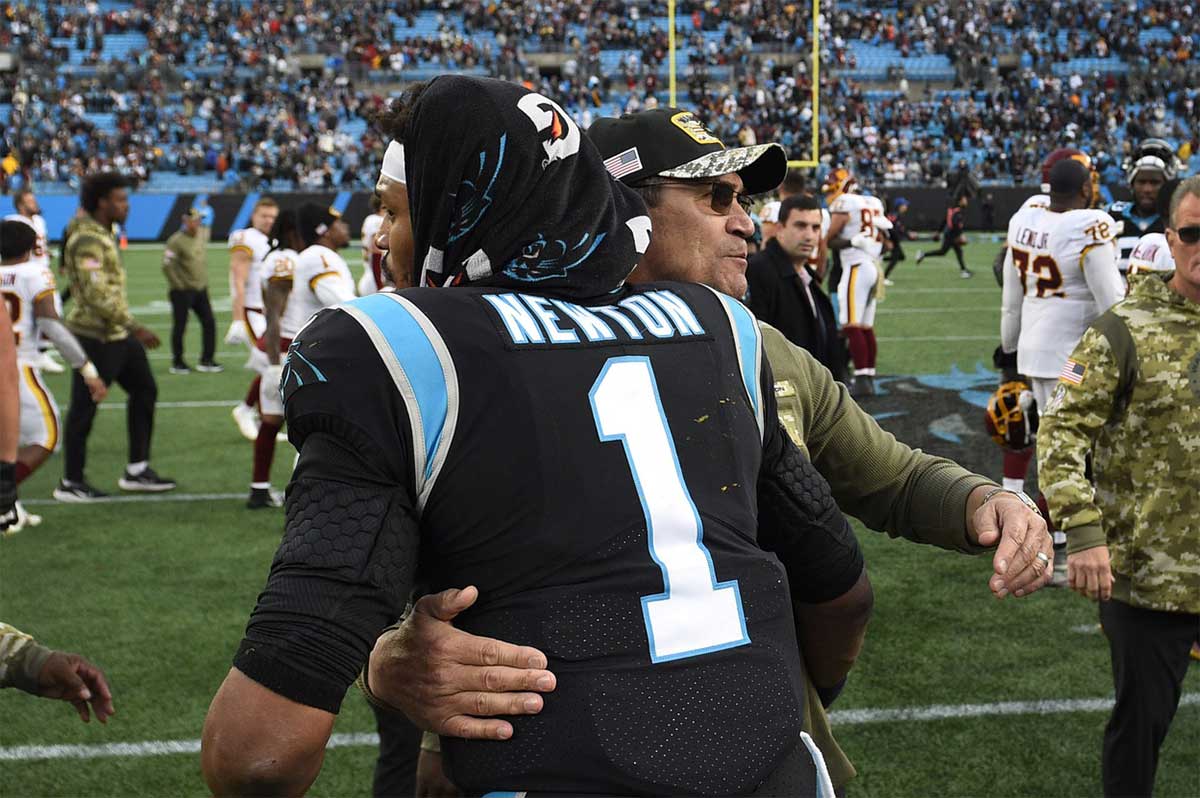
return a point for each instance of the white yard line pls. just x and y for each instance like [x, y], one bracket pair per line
[228, 404]
[848, 717]
[138, 498]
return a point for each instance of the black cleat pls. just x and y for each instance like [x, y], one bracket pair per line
[145, 482]
[77, 492]
[261, 498]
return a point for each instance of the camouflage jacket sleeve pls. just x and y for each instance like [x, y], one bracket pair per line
[21, 659]
[97, 280]
[876, 478]
[1069, 428]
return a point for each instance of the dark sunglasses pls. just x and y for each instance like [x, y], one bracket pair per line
[721, 195]
[1189, 234]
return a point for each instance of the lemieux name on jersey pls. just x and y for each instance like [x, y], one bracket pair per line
[647, 317]
[1034, 239]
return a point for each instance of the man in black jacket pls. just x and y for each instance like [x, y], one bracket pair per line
[785, 293]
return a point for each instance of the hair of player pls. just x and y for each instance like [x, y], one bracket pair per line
[393, 120]
[98, 186]
[285, 233]
[17, 239]
[1189, 187]
[797, 202]
[21, 194]
[265, 202]
[794, 182]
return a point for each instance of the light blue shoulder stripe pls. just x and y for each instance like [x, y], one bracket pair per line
[419, 362]
[748, 337]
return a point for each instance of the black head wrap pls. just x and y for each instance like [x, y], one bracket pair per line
[504, 190]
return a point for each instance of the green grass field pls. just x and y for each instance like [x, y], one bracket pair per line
[158, 594]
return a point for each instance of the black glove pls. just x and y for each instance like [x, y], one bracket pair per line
[8, 495]
[1007, 363]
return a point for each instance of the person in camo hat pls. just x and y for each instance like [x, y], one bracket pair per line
[1128, 400]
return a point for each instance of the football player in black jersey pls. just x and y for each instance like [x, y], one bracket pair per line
[1152, 164]
[604, 461]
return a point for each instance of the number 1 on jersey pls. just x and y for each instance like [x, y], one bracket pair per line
[694, 614]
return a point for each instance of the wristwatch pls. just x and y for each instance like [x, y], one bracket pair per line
[1020, 494]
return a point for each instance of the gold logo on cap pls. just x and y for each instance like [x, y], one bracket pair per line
[688, 123]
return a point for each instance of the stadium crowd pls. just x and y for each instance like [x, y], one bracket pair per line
[211, 93]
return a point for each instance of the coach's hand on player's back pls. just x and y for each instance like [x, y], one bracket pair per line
[1019, 534]
[146, 337]
[451, 682]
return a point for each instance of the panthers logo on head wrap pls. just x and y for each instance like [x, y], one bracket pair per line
[1011, 416]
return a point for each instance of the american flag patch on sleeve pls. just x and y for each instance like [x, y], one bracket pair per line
[1072, 372]
[623, 163]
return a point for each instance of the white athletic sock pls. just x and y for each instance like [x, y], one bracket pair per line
[1011, 483]
[260, 485]
[136, 469]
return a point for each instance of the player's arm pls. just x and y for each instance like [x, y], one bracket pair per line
[343, 571]
[837, 222]
[66, 343]
[275, 299]
[1012, 297]
[10, 405]
[1099, 264]
[1068, 431]
[240, 259]
[331, 288]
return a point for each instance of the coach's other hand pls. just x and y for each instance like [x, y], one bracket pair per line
[1089, 573]
[1019, 534]
[451, 682]
[72, 678]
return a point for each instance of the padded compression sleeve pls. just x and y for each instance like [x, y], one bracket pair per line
[800, 522]
[64, 341]
[343, 572]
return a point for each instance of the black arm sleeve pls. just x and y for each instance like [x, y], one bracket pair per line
[345, 567]
[800, 522]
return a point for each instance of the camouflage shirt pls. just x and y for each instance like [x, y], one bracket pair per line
[93, 266]
[1145, 441]
[21, 659]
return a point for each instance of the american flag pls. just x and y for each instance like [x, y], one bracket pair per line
[623, 163]
[1072, 372]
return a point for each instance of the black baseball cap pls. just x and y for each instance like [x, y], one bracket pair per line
[315, 220]
[671, 142]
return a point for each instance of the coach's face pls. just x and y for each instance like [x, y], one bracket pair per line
[1187, 256]
[395, 234]
[693, 243]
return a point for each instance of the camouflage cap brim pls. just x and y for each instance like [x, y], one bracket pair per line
[762, 167]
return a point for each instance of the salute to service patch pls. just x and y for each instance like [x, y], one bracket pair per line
[1072, 372]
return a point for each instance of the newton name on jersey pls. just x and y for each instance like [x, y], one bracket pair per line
[643, 318]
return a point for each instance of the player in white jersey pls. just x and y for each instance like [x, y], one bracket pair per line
[1060, 273]
[296, 286]
[852, 220]
[372, 256]
[27, 289]
[27, 210]
[247, 248]
[1150, 254]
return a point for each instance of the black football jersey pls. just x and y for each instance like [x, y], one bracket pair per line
[1133, 227]
[592, 469]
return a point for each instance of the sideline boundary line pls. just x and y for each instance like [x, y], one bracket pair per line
[848, 717]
